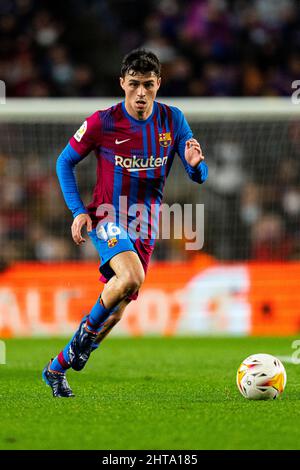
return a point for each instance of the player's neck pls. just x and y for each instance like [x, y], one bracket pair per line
[140, 116]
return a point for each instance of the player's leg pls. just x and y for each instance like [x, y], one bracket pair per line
[128, 282]
[117, 263]
[121, 256]
[129, 275]
[111, 322]
[57, 379]
[121, 269]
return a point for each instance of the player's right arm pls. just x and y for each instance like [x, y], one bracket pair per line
[78, 148]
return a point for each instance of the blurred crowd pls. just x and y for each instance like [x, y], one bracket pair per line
[207, 47]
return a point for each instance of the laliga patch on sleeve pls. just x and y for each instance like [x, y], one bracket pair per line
[81, 131]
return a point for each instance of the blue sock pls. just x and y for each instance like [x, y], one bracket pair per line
[95, 319]
[98, 315]
[57, 366]
[61, 362]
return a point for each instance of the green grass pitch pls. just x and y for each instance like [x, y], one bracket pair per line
[147, 393]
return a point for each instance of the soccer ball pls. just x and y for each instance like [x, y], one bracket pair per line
[261, 377]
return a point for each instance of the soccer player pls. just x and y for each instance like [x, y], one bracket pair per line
[135, 142]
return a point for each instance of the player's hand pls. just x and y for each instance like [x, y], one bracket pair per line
[78, 223]
[193, 152]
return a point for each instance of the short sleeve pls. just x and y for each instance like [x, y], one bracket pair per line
[88, 136]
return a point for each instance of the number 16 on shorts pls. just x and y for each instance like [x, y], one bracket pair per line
[107, 231]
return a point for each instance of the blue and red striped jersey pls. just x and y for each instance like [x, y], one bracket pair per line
[134, 157]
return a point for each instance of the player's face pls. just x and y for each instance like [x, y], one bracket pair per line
[140, 92]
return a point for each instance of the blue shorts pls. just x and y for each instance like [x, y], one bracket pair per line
[110, 240]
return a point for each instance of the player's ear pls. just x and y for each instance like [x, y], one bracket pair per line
[122, 83]
[158, 82]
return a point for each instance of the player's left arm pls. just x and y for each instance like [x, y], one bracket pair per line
[189, 151]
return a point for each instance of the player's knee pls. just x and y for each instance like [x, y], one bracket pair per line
[132, 285]
[132, 282]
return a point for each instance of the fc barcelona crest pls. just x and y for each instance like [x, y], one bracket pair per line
[112, 242]
[165, 139]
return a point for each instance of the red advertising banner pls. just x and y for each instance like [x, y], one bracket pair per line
[202, 297]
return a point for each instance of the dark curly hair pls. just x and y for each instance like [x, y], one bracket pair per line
[140, 61]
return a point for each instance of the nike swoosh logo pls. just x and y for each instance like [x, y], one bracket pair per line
[121, 141]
